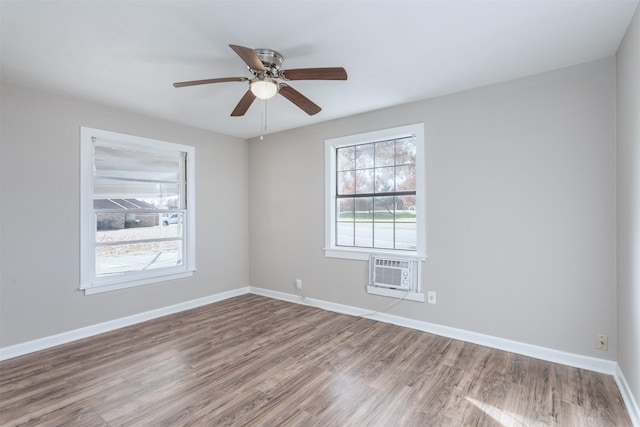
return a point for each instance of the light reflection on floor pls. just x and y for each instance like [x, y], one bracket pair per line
[506, 419]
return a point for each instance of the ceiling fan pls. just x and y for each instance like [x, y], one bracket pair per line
[265, 65]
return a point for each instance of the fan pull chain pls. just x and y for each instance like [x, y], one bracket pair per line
[263, 124]
[265, 115]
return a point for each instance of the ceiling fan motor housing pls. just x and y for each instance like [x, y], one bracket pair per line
[271, 59]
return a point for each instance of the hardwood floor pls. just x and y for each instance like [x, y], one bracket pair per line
[252, 360]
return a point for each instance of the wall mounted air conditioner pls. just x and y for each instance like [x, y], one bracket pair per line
[393, 273]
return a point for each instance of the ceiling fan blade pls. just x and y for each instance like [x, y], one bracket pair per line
[299, 99]
[244, 104]
[207, 81]
[330, 73]
[249, 57]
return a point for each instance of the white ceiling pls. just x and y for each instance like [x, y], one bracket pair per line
[127, 54]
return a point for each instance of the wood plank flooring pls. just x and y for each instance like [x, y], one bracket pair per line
[256, 361]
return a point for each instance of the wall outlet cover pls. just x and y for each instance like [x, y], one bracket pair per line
[431, 297]
[602, 342]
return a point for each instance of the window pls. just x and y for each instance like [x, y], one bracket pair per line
[137, 211]
[375, 194]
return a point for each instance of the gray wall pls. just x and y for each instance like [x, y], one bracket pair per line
[520, 218]
[521, 210]
[628, 182]
[40, 218]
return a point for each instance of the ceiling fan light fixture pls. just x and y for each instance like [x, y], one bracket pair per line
[264, 88]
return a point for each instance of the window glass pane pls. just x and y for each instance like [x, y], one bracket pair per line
[344, 233]
[405, 151]
[345, 209]
[406, 235]
[364, 156]
[384, 217]
[385, 153]
[175, 219]
[384, 209]
[406, 178]
[346, 182]
[406, 209]
[132, 257]
[346, 158]
[127, 226]
[383, 232]
[118, 228]
[384, 179]
[121, 204]
[364, 234]
[364, 181]
[156, 195]
[364, 208]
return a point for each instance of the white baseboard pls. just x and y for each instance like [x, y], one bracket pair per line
[543, 353]
[632, 405]
[87, 331]
[578, 361]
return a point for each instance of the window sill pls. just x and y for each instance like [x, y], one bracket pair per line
[363, 254]
[100, 288]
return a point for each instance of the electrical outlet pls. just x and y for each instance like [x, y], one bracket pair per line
[299, 284]
[431, 297]
[602, 342]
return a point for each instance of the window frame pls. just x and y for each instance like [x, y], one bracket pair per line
[361, 253]
[91, 284]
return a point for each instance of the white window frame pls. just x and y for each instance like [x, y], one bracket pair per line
[88, 280]
[359, 253]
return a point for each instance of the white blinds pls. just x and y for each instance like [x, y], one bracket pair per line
[122, 172]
